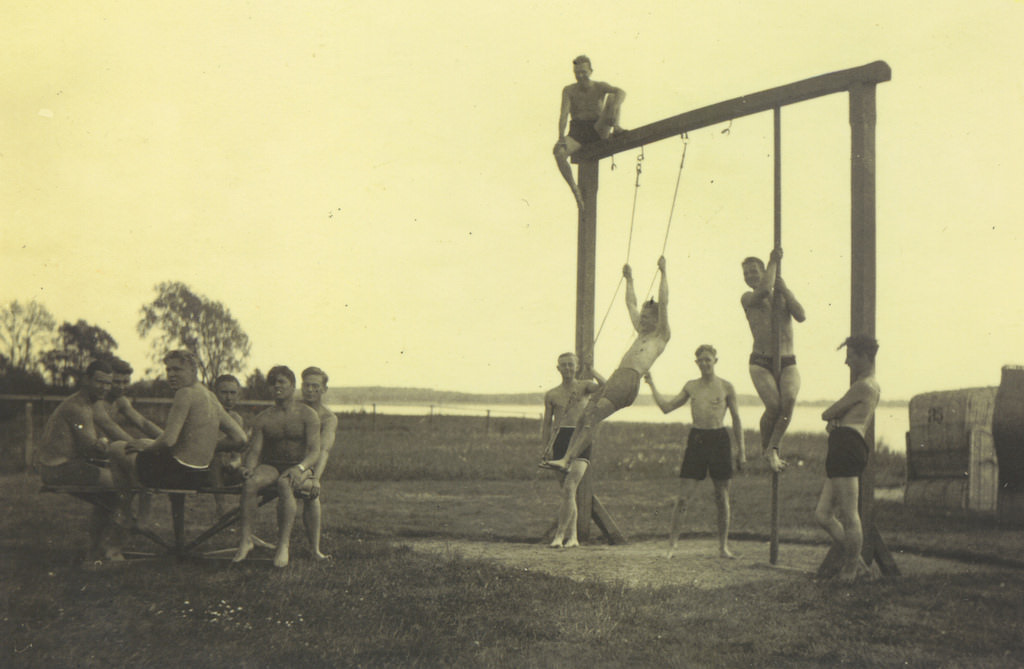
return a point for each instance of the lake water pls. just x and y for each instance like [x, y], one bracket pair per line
[891, 422]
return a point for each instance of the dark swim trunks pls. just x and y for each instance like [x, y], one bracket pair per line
[561, 444]
[847, 453]
[157, 468]
[707, 450]
[621, 388]
[584, 132]
[762, 360]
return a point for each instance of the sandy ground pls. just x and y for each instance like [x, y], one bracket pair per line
[696, 562]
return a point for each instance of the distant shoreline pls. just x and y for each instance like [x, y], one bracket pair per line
[385, 395]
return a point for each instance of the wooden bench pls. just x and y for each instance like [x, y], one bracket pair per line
[180, 549]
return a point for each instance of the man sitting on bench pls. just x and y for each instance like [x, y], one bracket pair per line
[179, 459]
[285, 445]
[72, 453]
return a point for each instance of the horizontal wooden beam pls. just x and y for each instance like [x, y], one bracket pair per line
[825, 84]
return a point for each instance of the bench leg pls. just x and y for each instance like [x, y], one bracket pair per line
[178, 520]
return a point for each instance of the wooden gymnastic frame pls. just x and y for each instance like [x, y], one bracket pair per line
[860, 84]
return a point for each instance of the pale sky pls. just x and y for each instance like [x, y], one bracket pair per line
[369, 186]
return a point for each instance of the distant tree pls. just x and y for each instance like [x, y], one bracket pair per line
[150, 388]
[21, 326]
[74, 347]
[180, 318]
[256, 387]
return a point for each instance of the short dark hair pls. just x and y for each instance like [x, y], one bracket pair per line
[280, 370]
[753, 259]
[315, 371]
[650, 304]
[862, 344]
[706, 347]
[226, 377]
[121, 366]
[582, 60]
[185, 356]
[98, 366]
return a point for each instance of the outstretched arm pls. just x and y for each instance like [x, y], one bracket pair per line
[663, 301]
[107, 425]
[631, 305]
[148, 427]
[664, 404]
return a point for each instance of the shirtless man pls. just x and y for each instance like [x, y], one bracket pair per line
[227, 462]
[285, 445]
[120, 421]
[847, 424]
[708, 447]
[594, 107]
[314, 385]
[778, 395]
[72, 453]
[117, 406]
[651, 324]
[563, 406]
[180, 457]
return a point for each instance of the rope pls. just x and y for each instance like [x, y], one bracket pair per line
[672, 209]
[629, 242]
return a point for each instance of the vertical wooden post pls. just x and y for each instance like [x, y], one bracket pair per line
[374, 419]
[773, 550]
[586, 270]
[487, 425]
[29, 437]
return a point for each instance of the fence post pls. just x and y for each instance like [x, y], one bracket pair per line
[29, 441]
[487, 425]
[374, 417]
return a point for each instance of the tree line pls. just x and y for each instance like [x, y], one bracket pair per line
[37, 355]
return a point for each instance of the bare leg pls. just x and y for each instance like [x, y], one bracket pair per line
[262, 476]
[608, 122]
[686, 488]
[583, 435]
[768, 391]
[789, 387]
[837, 514]
[286, 510]
[565, 534]
[722, 504]
[311, 514]
[562, 153]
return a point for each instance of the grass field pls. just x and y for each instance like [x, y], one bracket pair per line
[378, 603]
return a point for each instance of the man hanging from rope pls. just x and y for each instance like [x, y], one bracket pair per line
[779, 396]
[621, 389]
[594, 108]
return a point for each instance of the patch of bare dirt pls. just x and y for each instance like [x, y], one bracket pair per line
[644, 563]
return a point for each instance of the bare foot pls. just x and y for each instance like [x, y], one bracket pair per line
[726, 553]
[320, 557]
[557, 465]
[572, 543]
[243, 551]
[556, 542]
[281, 557]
